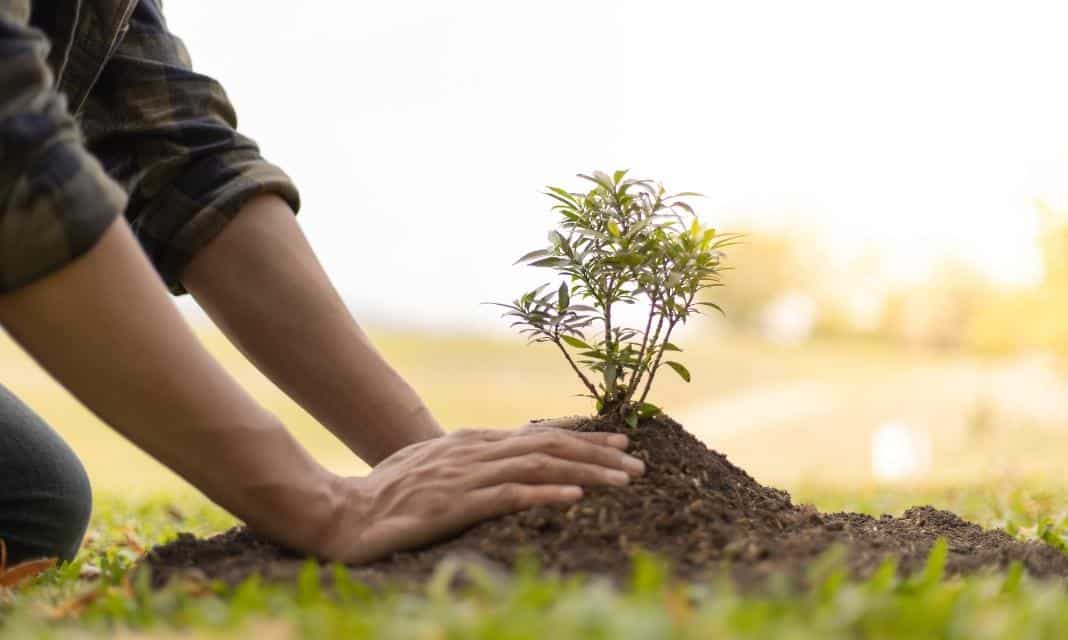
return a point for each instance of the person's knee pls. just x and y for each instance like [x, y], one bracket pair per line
[52, 516]
[72, 508]
[45, 497]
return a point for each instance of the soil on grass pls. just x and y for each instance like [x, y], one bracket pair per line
[692, 507]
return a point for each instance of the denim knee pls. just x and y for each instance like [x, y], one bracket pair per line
[45, 496]
[72, 508]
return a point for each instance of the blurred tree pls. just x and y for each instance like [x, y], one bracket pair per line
[939, 312]
[1035, 318]
[764, 267]
[1054, 243]
[773, 272]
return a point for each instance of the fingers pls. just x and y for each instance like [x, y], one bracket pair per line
[564, 446]
[570, 423]
[502, 499]
[614, 440]
[542, 469]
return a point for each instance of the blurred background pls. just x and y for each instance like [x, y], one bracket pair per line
[897, 315]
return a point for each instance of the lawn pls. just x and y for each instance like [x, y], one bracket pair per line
[995, 462]
[117, 602]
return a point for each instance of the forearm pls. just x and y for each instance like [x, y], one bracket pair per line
[104, 326]
[260, 281]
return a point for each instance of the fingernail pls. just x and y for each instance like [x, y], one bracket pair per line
[633, 465]
[571, 493]
[617, 477]
[618, 440]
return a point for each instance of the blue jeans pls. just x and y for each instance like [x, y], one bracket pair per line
[45, 499]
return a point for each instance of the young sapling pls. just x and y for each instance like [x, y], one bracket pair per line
[624, 241]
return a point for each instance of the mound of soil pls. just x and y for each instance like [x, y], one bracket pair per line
[692, 507]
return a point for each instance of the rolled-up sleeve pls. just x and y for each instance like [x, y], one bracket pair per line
[55, 199]
[169, 136]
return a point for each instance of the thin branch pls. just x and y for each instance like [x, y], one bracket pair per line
[660, 353]
[633, 386]
[609, 352]
[582, 376]
[656, 365]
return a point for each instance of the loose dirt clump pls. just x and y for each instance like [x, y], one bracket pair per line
[692, 507]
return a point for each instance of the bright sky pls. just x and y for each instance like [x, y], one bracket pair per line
[421, 132]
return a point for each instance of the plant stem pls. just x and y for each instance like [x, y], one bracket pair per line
[656, 365]
[660, 354]
[608, 336]
[653, 373]
[585, 380]
[633, 386]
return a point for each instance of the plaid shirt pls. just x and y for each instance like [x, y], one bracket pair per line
[101, 113]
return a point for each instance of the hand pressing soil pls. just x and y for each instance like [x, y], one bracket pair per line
[692, 507]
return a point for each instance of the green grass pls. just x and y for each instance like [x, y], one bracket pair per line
[1008, 473]
[118, 602]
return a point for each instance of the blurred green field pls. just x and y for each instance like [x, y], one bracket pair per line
[789, 415]
[800, 418]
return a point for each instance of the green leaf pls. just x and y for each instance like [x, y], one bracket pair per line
[683, 372]
[564, 194]
[575, 342]
[551, 262]
[714, 306]
[1013, 578]
[563, 299]
[603, 179]
[685, 207]
[613, 228]
[648, 575]
[565, 206]
[884, 579]
[618, 175]
[632, 420]
[540, 253]
[935, 568]
[670, 347]
[638, 227]
[599, 178]
[648, 410]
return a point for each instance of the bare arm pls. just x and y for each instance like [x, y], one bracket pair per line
[105, 327]
[261, 283]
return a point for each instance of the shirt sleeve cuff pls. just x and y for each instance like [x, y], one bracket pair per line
[57, 210]
[209, 212]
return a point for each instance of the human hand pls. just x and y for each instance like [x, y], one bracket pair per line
[438, 487]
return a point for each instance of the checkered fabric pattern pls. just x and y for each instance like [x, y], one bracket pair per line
[102, 113]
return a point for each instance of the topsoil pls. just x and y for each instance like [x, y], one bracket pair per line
[691, 507]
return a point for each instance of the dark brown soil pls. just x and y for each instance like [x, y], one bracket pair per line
[692, 507]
